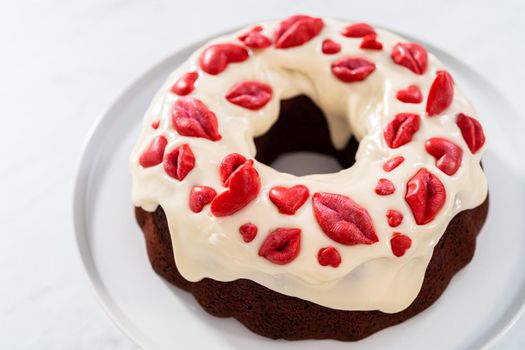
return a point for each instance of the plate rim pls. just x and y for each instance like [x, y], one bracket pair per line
[88, 152]
[82, 176]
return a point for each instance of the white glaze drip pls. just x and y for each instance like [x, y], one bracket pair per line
[370, 277]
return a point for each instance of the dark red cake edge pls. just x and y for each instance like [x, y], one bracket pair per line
[276, 316]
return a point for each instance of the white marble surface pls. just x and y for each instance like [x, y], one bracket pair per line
[63, 62]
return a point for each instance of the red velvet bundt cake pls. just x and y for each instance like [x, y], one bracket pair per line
[338, 255]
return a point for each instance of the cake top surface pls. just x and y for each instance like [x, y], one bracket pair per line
[359, 239]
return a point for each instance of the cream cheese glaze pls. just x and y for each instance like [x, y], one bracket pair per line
[369, 277]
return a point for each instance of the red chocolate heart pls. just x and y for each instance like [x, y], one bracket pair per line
[351, 69]
[255, 39]
[411, 56]
[400, 130]
[216, 58]
[153, 154]
[329, 256]
[289, 200]
[412, 94]
[330, 47]
[248, 232]
[185, 84]
[472, 132]
[370, 42]
[448, 155]
[393, 163]
[358, 30]
[385, 187]
[179, 162]
[343, 220]
[400, 244]
[441, 94]
[394, 218]
[281, 246]
[200, 196]
[297, 30]
[244, 186]
[425, 196]
[250, 94]
[191, 117]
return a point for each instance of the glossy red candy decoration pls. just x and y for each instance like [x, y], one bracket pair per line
[250, 94]
[185, 84]
[393, 163]
[191, 117]
[400, 243]
[200, 196]
[179, 162]
[400, 130]
[411, 56]
[255, 39]
[155, 124]
[229, 164]
[394, 218]
[385, 187]
[370, 42]
[472, 132]
[297, 30]
[215, 58]
[358, 30]
[248, 232]
[441, 93]
[281, 246]
[330, 47]
[244, 186]
[448, 155]
[412, 94]
[154, 153]
[343, 220]
[425, 196]
[289, 199]
[329, 256]
[257, 28]
[350, 68]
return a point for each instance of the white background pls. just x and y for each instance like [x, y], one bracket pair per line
[62, 63]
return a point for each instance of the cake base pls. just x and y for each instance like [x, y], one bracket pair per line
[275, 315]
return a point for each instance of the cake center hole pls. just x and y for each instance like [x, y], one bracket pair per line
[299, 142]
[306, 163]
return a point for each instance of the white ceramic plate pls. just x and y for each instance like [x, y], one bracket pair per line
[481, 303]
